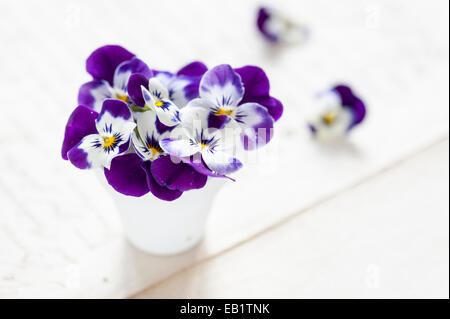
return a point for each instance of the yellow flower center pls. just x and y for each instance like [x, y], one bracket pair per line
[155, 152]
[109, 141]
[203, 145]
[223, 112]
[159, 103]
[122, 97]
[329, 118]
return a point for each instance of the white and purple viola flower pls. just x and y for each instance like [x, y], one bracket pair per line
[205, 146]
[102, 137]
[129, 118]
[150, 169]
[110, 66]
[221, 92]
[337, 113]
[277, 28]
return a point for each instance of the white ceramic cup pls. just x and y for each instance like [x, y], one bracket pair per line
[166, 228]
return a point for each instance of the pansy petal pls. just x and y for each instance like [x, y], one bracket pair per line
[264, 16]
[146, 143]
[147, 96]
[126, 69]
[93, 94]
[157, 89]
[159, 191]
[115, 120]
[80, 124]
[114, 113]
[218, 121]
[221, 162]
[135, 82]
[163, 77]
[197, 163]
[222, 86]
[168, 113]
[90, 153]
[102, 63]
[139, 146]
[257, 125]
[146, 123]
[127, 176]
[183, 89]
[358, 111]
[179, 175]
[179, 147]
[346, 94]
[193, 69]
[256, 83]
[273, 106]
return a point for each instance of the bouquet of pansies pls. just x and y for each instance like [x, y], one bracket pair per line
[162, 132]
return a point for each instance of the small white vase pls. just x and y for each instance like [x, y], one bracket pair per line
[166, 228]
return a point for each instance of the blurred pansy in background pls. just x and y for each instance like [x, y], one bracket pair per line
[337, 112]
[277, 28]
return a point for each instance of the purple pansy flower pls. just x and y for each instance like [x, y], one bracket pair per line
[338, 112]
[110, 66]
[150, 169]
[181, 86]
[97, 138]
[148, 134]
[156, 98]
[206, 145]
[221, 92]
[276, 28]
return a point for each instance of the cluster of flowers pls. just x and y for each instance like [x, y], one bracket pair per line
[162, 132]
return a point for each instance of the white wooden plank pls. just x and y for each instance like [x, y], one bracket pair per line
[61, 236]
[387, 238]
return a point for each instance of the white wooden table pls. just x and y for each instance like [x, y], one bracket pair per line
[366, 219]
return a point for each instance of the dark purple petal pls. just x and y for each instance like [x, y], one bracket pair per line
[197, 163]
[127, 176]
[273, 106]
[102, 63]
[191, 90]
[159, 191]
[116, 108]
[81, 123]
[351, 102]
[193, 69]
[262, 19]
[93, 93]
[218, 121]
[256, 83]
[78, 157]
[176, 176]
[358, 112]
[126, 68]
[161, 128]
[346, 95]
[257, 88]
[134, 88]
[124, 147]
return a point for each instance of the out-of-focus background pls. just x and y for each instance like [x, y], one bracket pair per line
[365, 219]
